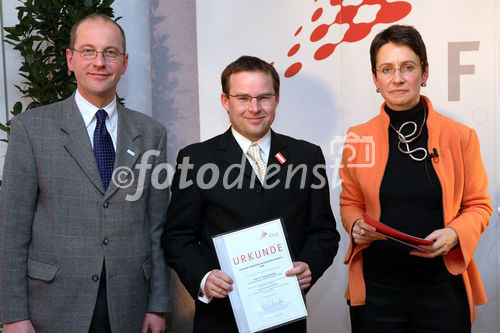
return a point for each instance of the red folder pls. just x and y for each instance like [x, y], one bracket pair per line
[396, 235]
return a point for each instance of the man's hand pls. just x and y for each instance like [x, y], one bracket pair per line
[303, 273]
[218, 284]
[22, 326]
[444, 240]
[154, 322]
[362, 233]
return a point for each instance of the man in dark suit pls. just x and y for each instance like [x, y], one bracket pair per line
[79, 251]
[222, 185]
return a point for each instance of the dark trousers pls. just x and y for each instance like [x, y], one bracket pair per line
[434, 307]
[100, 318]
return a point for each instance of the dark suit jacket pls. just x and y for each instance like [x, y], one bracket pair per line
[196, 214]
[58, 225]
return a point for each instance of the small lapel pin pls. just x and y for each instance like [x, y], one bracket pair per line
[130, 152]
[280, 158]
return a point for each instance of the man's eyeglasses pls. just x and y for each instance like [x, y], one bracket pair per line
[405, 69]
[90, 54]
[264, 99]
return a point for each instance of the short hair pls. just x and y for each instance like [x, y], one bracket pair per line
[103, 17]
[251, 64]
[400, 35]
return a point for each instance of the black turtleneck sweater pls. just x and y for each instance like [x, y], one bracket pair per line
[411, 201]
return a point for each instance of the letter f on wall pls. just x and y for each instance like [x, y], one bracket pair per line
[455, 69]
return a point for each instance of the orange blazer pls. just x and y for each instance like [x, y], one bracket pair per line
[466, 204]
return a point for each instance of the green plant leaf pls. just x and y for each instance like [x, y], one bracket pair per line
[18, 108]
[12, 37]
[4, 128]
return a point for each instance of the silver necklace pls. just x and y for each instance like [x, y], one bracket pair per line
[407, 139]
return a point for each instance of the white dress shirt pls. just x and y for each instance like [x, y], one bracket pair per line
[88, 111]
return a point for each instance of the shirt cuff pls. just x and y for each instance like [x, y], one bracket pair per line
[201, 295]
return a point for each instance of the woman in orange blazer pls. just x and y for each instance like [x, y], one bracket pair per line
[427, 179]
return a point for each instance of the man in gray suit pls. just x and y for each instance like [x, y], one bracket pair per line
[80, 252]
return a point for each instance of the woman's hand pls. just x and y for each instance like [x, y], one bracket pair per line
[444, 240]
[363, 233]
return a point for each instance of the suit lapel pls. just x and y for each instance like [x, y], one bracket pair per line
[77, 142]
[127, 148]
[278, 145]
[232, 153]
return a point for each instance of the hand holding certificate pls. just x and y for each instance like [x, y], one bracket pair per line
[256, 258]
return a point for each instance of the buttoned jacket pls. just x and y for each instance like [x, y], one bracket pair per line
[58, 225]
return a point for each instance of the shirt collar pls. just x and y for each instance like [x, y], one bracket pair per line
[88, 110]
[244, 143]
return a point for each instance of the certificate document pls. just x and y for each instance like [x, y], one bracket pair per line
[256, 258]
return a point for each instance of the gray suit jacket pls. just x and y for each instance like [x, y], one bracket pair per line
[57, 225]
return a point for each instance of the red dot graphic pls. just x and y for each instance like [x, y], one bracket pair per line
[392, 12]
[324, 51]
[293, 69]
[357, 32]
[389, 12]
[319, 32]
[317, 14]
[294, 50]
[347, 14]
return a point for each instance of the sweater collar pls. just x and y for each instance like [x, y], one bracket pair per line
[432, 117]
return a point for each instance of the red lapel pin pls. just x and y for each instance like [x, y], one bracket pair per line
[280, 158]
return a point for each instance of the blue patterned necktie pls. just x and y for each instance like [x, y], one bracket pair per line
[103, 149]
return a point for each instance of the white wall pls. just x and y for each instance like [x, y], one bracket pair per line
[3, 114]
[135, 85]
[7, 78]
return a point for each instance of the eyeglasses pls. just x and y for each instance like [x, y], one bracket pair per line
[406, 69]
[90, 54]
[264, 99]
